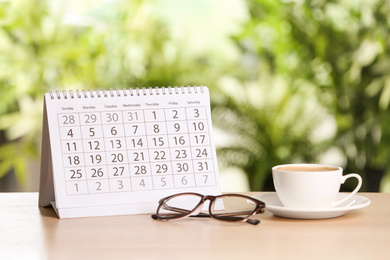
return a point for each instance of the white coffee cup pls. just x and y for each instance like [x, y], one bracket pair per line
[311, 186]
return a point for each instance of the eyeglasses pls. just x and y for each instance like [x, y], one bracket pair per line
[227, 207]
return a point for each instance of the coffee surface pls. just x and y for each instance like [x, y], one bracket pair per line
[299, 168]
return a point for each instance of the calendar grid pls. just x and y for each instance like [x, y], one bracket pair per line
[175, 151]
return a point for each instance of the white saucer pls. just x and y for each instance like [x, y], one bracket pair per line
[274, 205]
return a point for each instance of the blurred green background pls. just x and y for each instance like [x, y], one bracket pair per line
[290, 81]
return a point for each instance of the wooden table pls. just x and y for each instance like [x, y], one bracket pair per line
[29, 232]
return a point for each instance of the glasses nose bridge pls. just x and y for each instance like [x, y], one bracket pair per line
[211, 198]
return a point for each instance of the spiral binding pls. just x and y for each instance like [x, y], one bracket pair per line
[125, 92]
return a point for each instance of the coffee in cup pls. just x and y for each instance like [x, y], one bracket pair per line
[311, 186]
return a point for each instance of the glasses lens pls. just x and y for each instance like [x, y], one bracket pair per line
[235, 208]
[179, 206]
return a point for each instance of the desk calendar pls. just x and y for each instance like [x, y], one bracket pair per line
[119, 151]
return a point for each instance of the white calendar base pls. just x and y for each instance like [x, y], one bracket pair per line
[111, 210]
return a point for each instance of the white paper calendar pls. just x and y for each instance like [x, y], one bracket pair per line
[119, 152]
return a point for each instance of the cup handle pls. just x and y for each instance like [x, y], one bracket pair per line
[343, 179]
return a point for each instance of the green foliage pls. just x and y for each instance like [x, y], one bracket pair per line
[269, 123]
[341, 49]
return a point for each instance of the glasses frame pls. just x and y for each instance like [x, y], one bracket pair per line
[195, 212]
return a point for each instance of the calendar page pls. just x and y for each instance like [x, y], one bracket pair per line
[120, 151]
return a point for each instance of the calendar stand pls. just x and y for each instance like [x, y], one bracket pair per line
[119, 151]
